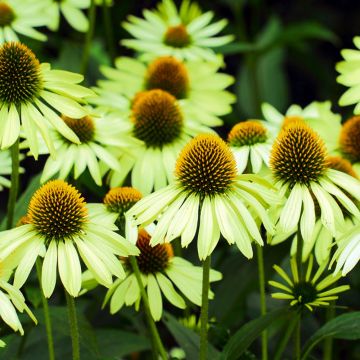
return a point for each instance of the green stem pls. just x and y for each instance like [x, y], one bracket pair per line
[204, 309]
[108, 31]
[88, 38]
[285, 339]
[298, 339]
[328, 342]
[74, 331]
[47, 318]
[14, 184]
[299, 251]
[264, 336]
[158, 346]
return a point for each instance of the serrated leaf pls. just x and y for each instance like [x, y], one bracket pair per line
[245, 336]
[346, 327]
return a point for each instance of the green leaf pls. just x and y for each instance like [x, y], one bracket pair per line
[245, 336]
[346, 327]
[187, 339]
[23, 201]
[307, 30]
[114, 344]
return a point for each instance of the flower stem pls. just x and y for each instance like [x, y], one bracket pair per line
[108, 31]
[47, 318]
[328, 342]
[299, 251]
[260, 261]
[14, 184]
[88, 38]
[204, 309]
[74, 331]
[158, 346]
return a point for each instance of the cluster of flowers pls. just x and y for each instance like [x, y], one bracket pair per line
[149, 122]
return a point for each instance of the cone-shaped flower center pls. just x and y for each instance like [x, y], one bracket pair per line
[20, 79]
[152, 259]
[6, 14]
[57, 210]
[120, 199]
[304, 292]
[84, 127]
[340, 164]
[247, 133]
[206, 166]
[177, 36]
[169, 74]
[298, 155]
[350, 139]
[157, 118]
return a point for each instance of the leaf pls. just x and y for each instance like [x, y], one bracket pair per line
[245, 336]
[346, 327]
[262, 79]
[23, 201]
[187, 339]
[307, 30]
[114, 344]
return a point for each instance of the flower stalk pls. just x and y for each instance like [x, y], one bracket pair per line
[48, 326]
[73, 323]
[204, 309]
[158, 347]
[89, 37]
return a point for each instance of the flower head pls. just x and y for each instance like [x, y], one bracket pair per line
[308, 292]
[299, 164]
[99, 137]
[209, 197]
[60, 224]
[29, 91]
[160, 271]
[21, 17]
[119, 200]
[198, 86]
[185, 33]
[250, 141]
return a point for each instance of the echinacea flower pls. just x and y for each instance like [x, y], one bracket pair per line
[350, 142]
[21, 17]
[60, 226]
[299, 166]
[347, 255]
[11, 299]
[251, 144]
[349, 69]
[207, 198]
[29, 94]
[72, 11]
[157, 121]
[185, 33]
[317, 115]
[197, 85]
[159, 269]
[321, 240]
[96, 135]
[118, 201]
[311, 291]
